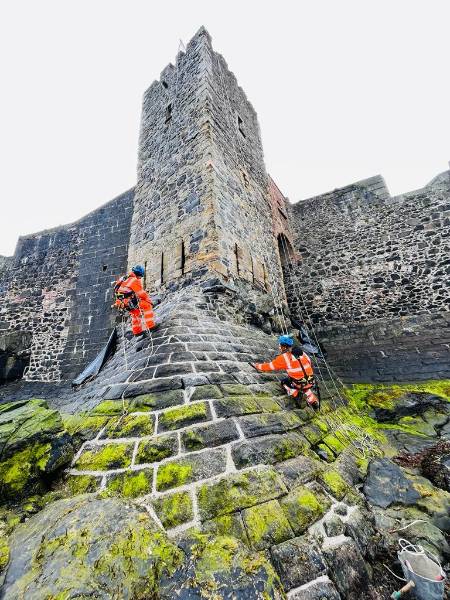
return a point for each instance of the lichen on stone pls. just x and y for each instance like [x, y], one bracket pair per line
[303, 507]
[172, 475]
[105, 457]
[131, 484]
[174, 509]
[266, 524]
[175, 418]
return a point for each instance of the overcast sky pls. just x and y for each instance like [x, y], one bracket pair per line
[344, 90]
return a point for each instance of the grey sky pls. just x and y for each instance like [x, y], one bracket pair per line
[344, 90]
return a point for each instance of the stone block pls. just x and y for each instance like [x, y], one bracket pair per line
[191, 468]
[176, 418]
[236, 405]
[129, 426]
[227, 525]
[131, 484]
[173, 369]
[238, 491]
[268, 450]
[266, 524]
[156, 401]
[297, 561]
[235, 389]
[323, 589]
[149, 387]
[347, 569]
[156, 449]
[174, 509]
[303, 507]
[211, 435]
[263, 424]
[105, 457]
[334, 483]
[204, 392]
[299, 470]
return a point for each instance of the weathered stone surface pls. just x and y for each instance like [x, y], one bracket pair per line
[333, 526]
[225, 565]
[266, 524]
[208, 436]
[182, 416]
[89, 547]
[203, 392]
[190, 468]
[297, 562]
[268, 450]
[347, 569]
[239, 491]
[174, 509]
[299, 470]
[156, 449]
[129, 426]
[386, 484]
[320, 590]
[237, 405]
[105, 457]
[131, 484]
[303, 507]
[228, 525]
[255, 425]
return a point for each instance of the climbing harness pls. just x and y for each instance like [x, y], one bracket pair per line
[422, 571]
[125, 298]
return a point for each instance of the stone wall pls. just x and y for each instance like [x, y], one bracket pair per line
[374, 273]
[56, 290]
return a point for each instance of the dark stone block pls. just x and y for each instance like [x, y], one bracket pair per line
[206, 367]
[215, 434]
[158, 385]
[297, 562]
[173, 369]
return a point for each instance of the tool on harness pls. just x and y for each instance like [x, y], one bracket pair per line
[125, 297]
[308, 388]
[422, 570]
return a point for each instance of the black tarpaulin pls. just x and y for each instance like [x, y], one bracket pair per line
[94, 367]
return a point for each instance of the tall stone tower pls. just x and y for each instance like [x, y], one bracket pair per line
[202, 206]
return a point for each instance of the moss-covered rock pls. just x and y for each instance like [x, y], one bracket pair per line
[190, 468]
[156, 401]
[105, 457]
[156, 449]
[239, 491]
[111, 408]
[129, 426]
[266, 524]
[22, 473]
[222, 567]
[131, 484]
[237, 405]
[302, 507]
[83, 427]
[228, 525]
[334, 483]
[175, 418]
[174, 509]
[82, 484]
[90, 547]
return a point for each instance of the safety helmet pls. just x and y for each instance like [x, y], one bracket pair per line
[138, 270]
[285, 340]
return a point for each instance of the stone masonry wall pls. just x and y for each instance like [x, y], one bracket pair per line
[57, 289]
[374, 272]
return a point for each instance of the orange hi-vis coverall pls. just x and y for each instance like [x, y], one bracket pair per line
[145, 309]
[288, 362]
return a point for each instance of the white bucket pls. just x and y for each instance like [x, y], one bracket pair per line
[424, 570]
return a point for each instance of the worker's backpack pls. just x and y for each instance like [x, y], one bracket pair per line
[125, 297]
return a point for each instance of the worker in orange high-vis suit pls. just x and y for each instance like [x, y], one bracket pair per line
[131, 296]
[299, 369]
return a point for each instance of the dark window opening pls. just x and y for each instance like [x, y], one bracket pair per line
[287, 255]
[104, 268]
[183, 257]
[236, 252]
[162, 268]
[164, 84]
[168, 113]
[241, 126]
[282, 214]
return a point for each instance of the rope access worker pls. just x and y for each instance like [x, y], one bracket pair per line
[131, 296]
[300, 378]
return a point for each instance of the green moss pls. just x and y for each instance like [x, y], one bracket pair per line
[4, 552]
[303, 507]
[129, 426]
[326, 452]
[174, 509]
[238, 405]
[82, 484]
[203, 392]
[334, 444]
[84, 426]
[192, 440]
[111, 407]
[103, 458]
[239, 491]
[234, 389]
[155, 450]
[289, 447]
[418, 425]
[22, 471]
[334, 483]
[228, 525]
[184, 415]
[266, 525]
[172, 475]
[268, 404]
[131, 484]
